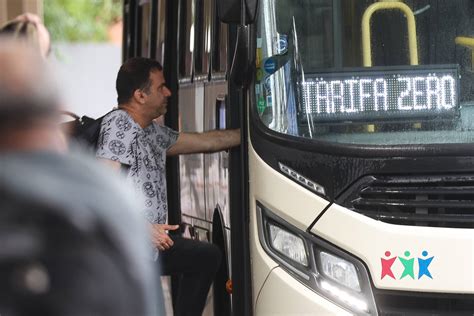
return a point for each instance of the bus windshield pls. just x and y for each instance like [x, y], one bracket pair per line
[367, 72]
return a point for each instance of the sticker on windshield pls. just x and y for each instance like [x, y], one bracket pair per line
[267, 83]
[269, 100]
[261, 105]
[259, 58]
[282, 44]
[259, 74]
[269, 65]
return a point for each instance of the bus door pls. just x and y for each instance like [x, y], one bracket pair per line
[202, 90]
[215, 113]
[213, 42]
[191, 119]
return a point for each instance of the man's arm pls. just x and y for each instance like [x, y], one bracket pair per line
[207, 142]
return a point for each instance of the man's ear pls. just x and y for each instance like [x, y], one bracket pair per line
[139, 96]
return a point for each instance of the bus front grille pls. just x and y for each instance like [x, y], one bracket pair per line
[397, 303]
[429, 200]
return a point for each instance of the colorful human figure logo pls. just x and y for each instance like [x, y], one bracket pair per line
[408, 265]
[387, 265]
[424, 264]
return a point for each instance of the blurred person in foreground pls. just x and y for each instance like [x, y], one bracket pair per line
[69, 244]
[30, 28]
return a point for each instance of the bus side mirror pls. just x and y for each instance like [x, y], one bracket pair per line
[229, 11]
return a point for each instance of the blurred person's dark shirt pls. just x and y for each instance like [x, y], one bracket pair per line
[68, 224]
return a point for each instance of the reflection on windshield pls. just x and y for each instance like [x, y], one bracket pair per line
[311, 81]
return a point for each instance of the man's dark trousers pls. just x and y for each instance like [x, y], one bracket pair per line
[196, 264]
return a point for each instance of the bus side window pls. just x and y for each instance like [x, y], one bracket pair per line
[187, 24]
[220, 112]
[129, 17]
[160, 31]
[198, 38]
[219, 43]
[203, 37]
[144, 32]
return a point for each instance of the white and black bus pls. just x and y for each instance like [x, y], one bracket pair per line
[353, 190]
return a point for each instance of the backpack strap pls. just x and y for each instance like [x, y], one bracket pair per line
[88, 130]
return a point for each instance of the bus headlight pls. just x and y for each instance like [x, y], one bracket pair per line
[329, 271]
[288, 244]
[340, 270]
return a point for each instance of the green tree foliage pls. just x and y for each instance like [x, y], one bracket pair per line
[80, 20]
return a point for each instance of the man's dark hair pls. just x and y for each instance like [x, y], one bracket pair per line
[135, 74]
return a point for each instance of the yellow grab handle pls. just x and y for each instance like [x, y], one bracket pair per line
[388, 5]
[465, 41]
[469, 43]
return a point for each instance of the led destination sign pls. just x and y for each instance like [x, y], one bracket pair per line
[381, 93]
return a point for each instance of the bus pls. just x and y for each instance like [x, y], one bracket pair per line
[353, 190]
